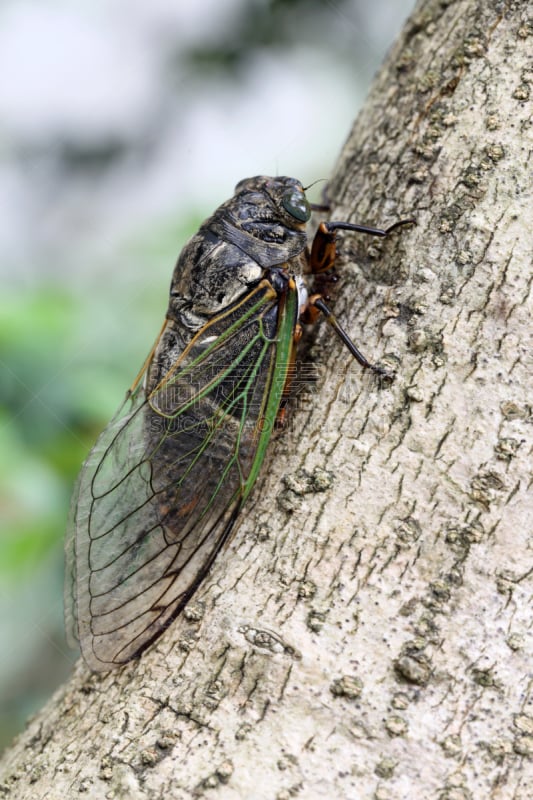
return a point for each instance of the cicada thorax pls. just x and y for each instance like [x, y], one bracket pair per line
[234, 250]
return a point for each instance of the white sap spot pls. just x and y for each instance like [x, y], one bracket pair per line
[303, 294]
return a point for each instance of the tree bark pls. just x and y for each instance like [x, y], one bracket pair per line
[367, 633]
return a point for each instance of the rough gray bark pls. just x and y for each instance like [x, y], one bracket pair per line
[367, 634]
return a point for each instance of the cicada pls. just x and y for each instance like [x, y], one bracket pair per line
[160, 492]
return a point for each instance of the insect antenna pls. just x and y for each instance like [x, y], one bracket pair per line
[322, 208]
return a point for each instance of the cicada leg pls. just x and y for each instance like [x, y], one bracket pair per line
[322, 265]
[316, 301]
[323, 249]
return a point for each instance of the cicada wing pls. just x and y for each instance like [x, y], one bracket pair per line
[160, 491]
[77, 540]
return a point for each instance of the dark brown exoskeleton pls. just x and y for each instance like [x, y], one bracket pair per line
[160, 491]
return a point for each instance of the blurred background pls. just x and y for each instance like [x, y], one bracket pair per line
[123, 124]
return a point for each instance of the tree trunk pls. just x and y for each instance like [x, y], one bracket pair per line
[367, 632]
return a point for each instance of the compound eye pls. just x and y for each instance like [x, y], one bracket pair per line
[295, 202]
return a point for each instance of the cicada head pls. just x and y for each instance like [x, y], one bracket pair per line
[261, 227]
[286, 196]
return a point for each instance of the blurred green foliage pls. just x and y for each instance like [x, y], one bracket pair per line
[69, 350]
